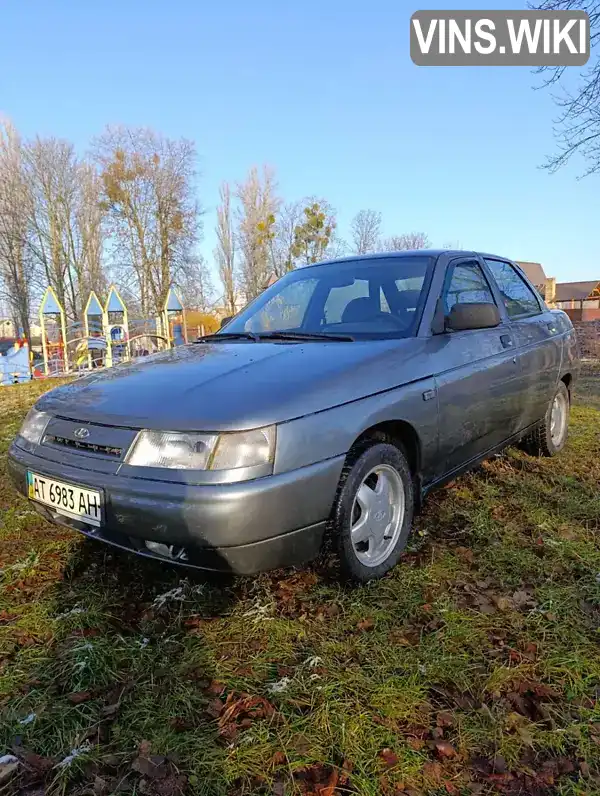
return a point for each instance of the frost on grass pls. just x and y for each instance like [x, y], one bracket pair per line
[178, 594]
[171, 596]
[259, 611]
[72, 612]
[279, 686]
[74, 753]
[28, 719]
[313, 662]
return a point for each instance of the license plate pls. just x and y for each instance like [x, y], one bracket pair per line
[69, 500]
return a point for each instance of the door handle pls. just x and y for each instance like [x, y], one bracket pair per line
[506, 340]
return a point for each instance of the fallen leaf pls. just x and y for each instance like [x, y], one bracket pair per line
[328, 789]
[41, 765]
[366, 624]
[278, 759]
[153, 767]
[170, 786]
[144, 748]
[503, 603]
[7, 771]
[100, 786]
[389, 757]
[432, 770]
[444, 719]
[214, 708]
[79, 696]
[108, 711]
[523, 599]
[415, 743]
[445, 749]
[466, 554]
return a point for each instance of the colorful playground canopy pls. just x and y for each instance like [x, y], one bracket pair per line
[93, 306]
[50, 304]
[114, 302]
[173, 302]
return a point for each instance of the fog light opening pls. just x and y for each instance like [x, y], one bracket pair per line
[170, 551]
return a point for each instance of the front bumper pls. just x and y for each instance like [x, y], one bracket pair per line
[244, 528]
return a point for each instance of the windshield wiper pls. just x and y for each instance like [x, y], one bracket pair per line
[223, 337]
[308, 336]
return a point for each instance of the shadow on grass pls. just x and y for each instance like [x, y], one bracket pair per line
[123, 697]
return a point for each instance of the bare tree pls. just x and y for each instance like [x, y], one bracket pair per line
[65, 221]
[195, 285]
[225, 249]
[406, 241]
[16, 265]
[91, 233]
[290, 216]
[366, 229]
[51, 168]
[148, 194]
[256, 228]
[577, 129]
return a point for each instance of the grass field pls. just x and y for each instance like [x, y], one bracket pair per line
[473, 668]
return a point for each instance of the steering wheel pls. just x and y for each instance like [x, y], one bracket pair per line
[387, 316]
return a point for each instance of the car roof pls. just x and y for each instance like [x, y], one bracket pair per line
[407, 253]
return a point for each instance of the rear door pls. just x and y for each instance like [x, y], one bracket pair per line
[477, 376]
[537, 337]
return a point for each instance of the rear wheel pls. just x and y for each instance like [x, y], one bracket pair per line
[373, 511]
[551, 435]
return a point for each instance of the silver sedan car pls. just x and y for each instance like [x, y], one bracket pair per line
[327, 408]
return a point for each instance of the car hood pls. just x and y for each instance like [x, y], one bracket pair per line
[234, 386]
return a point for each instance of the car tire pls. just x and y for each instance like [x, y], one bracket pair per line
[375, 499]
[550, 437]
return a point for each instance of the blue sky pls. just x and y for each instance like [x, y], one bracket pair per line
[327, 94]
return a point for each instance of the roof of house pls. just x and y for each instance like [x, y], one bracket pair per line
[534, 272]
[575, 290]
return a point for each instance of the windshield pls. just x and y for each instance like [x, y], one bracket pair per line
[364, 298]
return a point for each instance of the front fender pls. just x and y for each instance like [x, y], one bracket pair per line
[324, 435]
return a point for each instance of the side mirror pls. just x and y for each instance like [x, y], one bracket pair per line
[225, 321]
[473, 316]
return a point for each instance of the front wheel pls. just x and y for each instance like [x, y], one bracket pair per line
[373, 511]
[551, 435]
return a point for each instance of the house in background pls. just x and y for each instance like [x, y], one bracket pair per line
[580, 300]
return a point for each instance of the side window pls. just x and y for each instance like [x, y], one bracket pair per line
[339, 298]
[467, 285]
[519, 299]
[286, 310]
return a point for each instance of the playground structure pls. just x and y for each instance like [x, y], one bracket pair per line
[106, 336]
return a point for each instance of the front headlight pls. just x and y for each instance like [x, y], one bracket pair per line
[177, 450]
[34, 426]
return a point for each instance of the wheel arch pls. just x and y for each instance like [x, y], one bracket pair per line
[399, 433]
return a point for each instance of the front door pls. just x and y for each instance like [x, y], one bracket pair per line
[477, 375]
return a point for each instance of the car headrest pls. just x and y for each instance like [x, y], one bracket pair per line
[360, 309]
